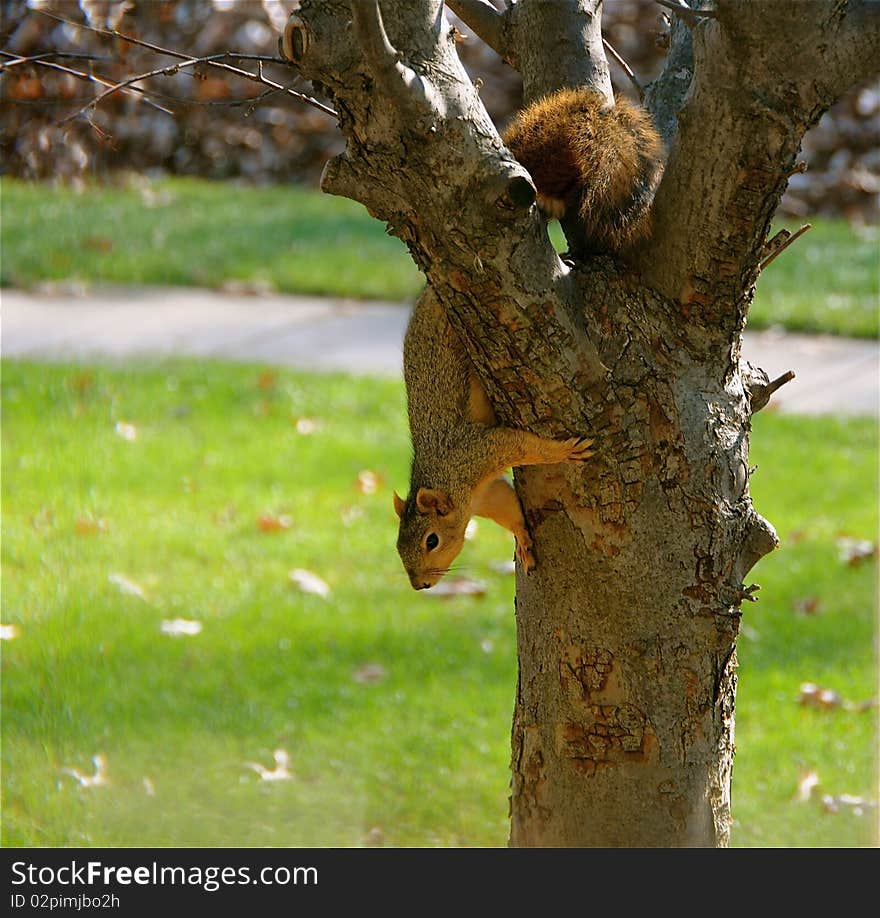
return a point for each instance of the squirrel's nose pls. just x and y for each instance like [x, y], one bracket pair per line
[424, 586]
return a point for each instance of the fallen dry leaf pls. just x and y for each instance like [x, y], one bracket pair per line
[375, 838]
[267, 380]
[269, 522]
[8, 632]
[149, 789]
[856, 805]
[98, 243]
[808, 782]
[82, 382]
[813, 696]
[458, 586]
[825, 699]
[177, 627]
[126, 431]
[368, 481]
[94, 780]
[306, 426]
[309, 582]
[855, 551]
[89, 525]
[279, 773]
[369, 672]
[810, 605]
[127, 586]
[351, 515]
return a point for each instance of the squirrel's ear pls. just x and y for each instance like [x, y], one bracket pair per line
[399, 504]
[429, 500]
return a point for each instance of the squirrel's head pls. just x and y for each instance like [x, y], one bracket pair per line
[431, 534]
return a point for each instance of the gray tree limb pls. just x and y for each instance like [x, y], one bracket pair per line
[763, 73]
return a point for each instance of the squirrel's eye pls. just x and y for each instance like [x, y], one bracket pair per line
[432, 541]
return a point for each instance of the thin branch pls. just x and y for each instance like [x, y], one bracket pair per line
[36, 58]
[91, 78]
[785, 239]
[779, 382]
[216, 61]
[484, 19]
[688, 13]
[626, 68]
[170, 70]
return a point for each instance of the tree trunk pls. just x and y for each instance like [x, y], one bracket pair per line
[624, 717]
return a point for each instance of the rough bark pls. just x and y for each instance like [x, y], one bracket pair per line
[624, 717]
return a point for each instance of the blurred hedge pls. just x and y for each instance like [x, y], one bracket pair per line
[220, 130]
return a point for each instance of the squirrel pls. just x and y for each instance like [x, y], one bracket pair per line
[460, 453]
[606, 162]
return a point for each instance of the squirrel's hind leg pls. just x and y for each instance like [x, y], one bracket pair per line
[497, 500]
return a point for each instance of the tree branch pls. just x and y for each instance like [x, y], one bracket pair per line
[665, 96]
[688, 13]
[625, 67]
[487, 21]
[46, 55]
[762, 77]
[779, 243]
[578, 55]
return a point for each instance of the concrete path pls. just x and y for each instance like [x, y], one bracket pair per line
[832, 374]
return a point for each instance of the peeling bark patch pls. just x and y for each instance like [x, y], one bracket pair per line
[584, 672]
[528, 775]
[613, 735]
[603, 528]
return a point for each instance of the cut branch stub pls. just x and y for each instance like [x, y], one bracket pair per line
[759, 386]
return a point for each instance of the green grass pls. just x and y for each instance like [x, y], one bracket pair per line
[192, 232]
[195, 232]
[418, 757]
[828, 281]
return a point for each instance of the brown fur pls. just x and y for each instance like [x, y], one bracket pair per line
[603, 161]
[460, 452]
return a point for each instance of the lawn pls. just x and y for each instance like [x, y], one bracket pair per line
[196, 232]
[179, 497]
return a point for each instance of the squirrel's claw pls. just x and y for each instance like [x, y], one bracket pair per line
[579, 449]
[524, 553]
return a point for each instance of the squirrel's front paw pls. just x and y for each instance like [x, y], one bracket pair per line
[578, 449]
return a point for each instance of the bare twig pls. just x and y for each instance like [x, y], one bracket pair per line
[626, 68]
[779, 382]
[688, 13]
[780, 242]
[215, 61]
[37, 58]
[90, 78]
[484, 19]
[170, 70]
